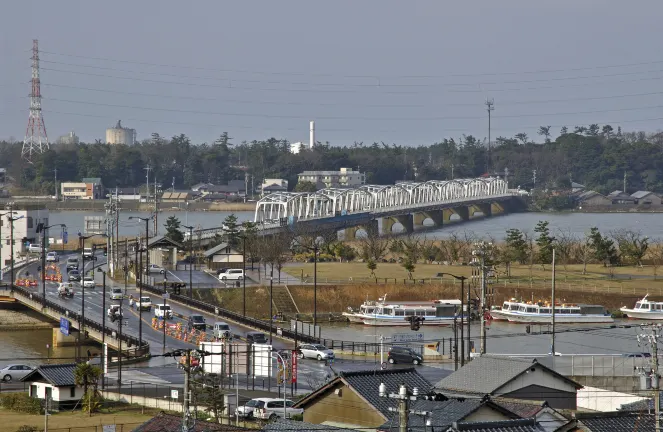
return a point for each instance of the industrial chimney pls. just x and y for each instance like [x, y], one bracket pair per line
[312, 134]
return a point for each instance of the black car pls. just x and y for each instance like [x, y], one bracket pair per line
[256, 338]
[221, 270]
[74, 275]
[197, 322]
[404, 355]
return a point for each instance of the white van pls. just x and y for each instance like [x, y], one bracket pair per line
[116, 294]
[222, 330]
[232, 274]
[163, 311]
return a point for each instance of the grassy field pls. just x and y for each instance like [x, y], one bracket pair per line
[76, 420]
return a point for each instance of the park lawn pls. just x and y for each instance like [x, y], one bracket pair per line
[132, 417]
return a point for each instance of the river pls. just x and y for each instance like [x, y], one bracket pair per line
[14, 345]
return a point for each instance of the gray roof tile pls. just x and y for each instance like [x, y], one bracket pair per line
[168, 422]
[59, 375]
[486, 374]
[640, 194]
[616, 422]
[443, 414]
[519, 425]
[291, 426]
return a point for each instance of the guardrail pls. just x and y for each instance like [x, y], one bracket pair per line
[128, 339]
[233, 316]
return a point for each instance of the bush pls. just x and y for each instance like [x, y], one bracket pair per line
[20, 402]
[27, 428]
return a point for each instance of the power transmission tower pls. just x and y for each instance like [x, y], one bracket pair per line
[490, 106]
[652, 377]
[36, 140]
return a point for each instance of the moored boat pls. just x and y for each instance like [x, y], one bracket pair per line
[645, 309]
[497, 312]
[383, 313]
[567, 313]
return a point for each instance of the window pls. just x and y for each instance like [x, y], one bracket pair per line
[400, 313]
[30, 222]
[33, 391]
[531, 309]
[72, 392]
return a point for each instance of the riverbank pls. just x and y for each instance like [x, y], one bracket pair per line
[22, 319]
[136, 206]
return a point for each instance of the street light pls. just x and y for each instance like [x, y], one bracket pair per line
[81, 242]
[147, 267]
[41, 228]
[271, 303]
[190, 228]
[462, 280]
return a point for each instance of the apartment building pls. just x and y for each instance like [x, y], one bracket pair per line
[25, 232]
[88, 188]
[345, 177]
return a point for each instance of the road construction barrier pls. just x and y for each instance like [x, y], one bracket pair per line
[155, 322]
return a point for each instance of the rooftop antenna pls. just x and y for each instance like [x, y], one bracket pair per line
[36, 140]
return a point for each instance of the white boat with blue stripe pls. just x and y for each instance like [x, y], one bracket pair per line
[645, 309]
[383, 313]
[541, 313]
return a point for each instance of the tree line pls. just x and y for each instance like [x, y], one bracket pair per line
[594, 155]
[622, 247]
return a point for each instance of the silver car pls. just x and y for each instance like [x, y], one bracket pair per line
[15, 372]
[315, 351]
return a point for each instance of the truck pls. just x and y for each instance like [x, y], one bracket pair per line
[163, 311]
[143, 303]
[88, 254]
[72, 263]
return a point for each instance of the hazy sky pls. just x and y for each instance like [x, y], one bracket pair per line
[407, 72]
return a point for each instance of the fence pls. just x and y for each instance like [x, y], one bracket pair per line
[122, 427]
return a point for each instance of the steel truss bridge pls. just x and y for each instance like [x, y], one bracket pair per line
[378, 200]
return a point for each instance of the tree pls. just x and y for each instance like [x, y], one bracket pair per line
[564, 130]
[231, 231]
[515, 250]
[343, 252]
[522, 137]
[173, 229]
[656, 256]
[87, 376]
[250, 239]
[372, 266]
[564, 244]
[602, 247]
[409, 266]
[544, 242]
[632, 245]
[207, 392]
[545, 131]
[305, 186]
[373, 246]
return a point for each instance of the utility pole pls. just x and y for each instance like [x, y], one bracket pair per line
[506, 177]
[533, 179]
[56, 183]
[490, 106]
[652, 374]
[187, 379]
[116, 249]
[156, 209]
[552, 342]
[481, 250]
[624, 182]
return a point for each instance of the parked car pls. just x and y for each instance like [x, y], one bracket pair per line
[222, 330]
[74, 276]
[268, 408]
[116, 294]
[52, 257]
[88, 282]
[153, 268]
[34, 248]
[256, 337]
[196, 322]
[404, 355]
[221, 270]
[163, 311]
[315, 351]
[72, 263]
[15, 372]
[232, 274]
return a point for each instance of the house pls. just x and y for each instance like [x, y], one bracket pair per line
[222, 256]
[282, 425]
[27, 217]
[577, 187]
[351, 400]
[345, 177]
[516, 379]
[163, 251]
[619, 197]
[126, 194]
[550, 419]
[647, 199]
[55, 382]
[200, 187]
[176, 197]
[273, 185]
[87, 188]
[516, 425]
[168, 422]
[615, 421]
[592, 199]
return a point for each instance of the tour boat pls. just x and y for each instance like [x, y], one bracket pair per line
[383, 313]
[645, 309]
[497, 312]
[541, 312]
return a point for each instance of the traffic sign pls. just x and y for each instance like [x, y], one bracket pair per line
[64, 326]
[166, 296]
[407, 337]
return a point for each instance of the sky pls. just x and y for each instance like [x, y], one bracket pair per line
[410, 73]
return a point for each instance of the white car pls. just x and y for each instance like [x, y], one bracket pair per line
[116, 294]
[268, 408]
[315, 351]
[163, 311]
[34, 248]
[153, 268]
[52, 257]
[15, 372]
[88, 282]
[232, 274]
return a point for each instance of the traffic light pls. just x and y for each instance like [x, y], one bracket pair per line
[415, 322]
[105, 251]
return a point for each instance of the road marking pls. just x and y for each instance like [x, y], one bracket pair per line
[174, 275]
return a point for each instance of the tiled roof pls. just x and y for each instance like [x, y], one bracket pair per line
[641, 405]
[616, 422]
[618, 194]
[588, 194]
[519, 425]
[640, 194]
[524, 409]
[291, 425]
[162, 239]
[366, 384]
[486, 374]
[167, 423]
[443, 414]
[218, 248]
[58, 375]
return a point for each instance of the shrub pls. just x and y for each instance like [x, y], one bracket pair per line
[20, 402]
[27, 428]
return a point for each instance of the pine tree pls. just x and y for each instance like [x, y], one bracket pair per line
[231, 229]
[544, 242]
[173, 229]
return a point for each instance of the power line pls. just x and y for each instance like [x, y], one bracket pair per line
[263, 72]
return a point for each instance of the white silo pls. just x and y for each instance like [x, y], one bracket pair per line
[120, 135]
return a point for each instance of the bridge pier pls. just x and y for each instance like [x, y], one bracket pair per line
[406, 220]
[462, 212]
[486, 209]
[62, 340]
[350, 233]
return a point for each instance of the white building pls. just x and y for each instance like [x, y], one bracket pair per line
[297, 146]
[345, 177]
[120, 135]
[55, 382]
[70, 138]
[273, 185]
[25, 227]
